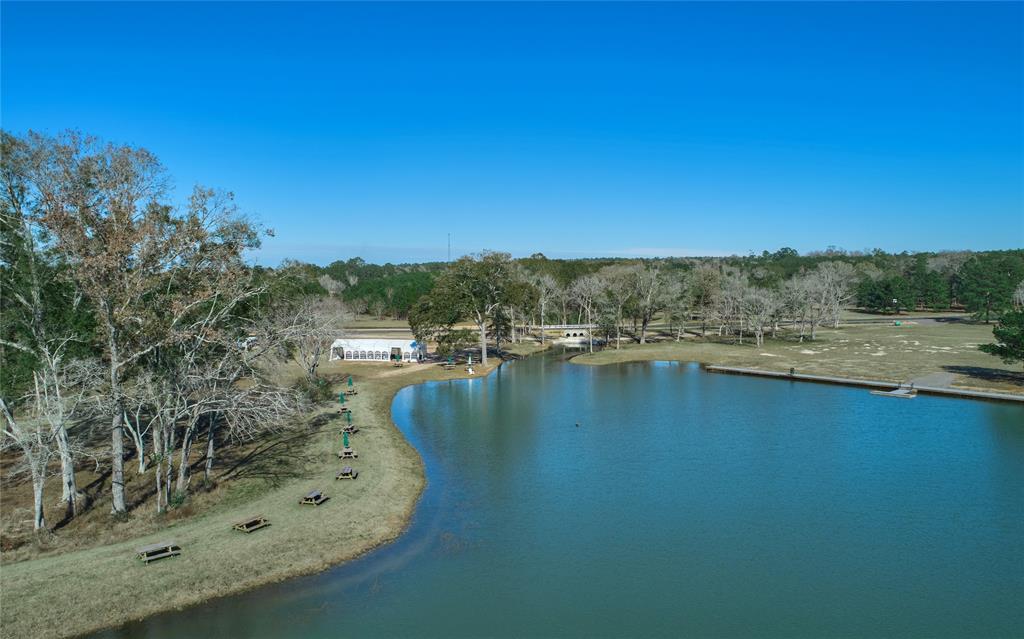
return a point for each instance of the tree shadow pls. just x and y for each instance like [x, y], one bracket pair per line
[988, 374]
[274, 461]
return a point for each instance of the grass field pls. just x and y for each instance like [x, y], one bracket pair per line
[946, 351]
[83, 590]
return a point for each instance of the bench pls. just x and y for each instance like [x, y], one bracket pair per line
[351, 392]
[398, 363]
[153, 552]
[314, 498]
[347, 473]
[350, 429]
[347, 453]
[252, 523]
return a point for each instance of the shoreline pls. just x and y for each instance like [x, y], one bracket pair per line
[55, 581]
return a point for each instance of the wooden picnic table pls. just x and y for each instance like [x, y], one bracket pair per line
[159, 550]
[347, 473]
[251, 524]
[347, 453]
[350, 429]
[314, 498]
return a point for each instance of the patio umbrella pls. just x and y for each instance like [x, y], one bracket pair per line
[341, 398]
[344, 440]
[350, 381]
[348, 416]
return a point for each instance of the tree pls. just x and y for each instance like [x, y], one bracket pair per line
[1009, 335]
[473, 288]
[57, 397]
[678, 302]
[305, 329]
[619, 289]
[546, 288]
[988, 282]
[705, 288]
[759, 307]
[648, 285]
[146, 267]
[44, 323]
[585, 292]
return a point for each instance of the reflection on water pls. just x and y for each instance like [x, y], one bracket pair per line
[683, 503]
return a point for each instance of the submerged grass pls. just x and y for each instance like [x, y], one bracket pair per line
[84, 590]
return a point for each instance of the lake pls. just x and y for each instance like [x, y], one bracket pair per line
[655, 499]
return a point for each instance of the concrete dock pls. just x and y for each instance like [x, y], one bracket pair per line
[868, 383]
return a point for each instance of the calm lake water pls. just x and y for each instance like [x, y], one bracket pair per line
[683, 504]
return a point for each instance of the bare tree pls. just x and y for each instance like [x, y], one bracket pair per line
[306, 330]
[759, 307]
[585, 292]
[331, 285]
[705, 289]
[56, 398]
[648, 288]
[678, 302]
[547, 289]
[619, 288]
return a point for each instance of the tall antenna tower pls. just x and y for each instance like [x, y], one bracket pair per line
[449, 247]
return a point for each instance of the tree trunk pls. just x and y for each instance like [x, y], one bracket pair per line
[542, 322]
[117, 462]
[643, 330]
[181, 483]
[38, 518]
[482, 325]
[161, 503]
[618, 329]
[590, 331]
[210, 437]
[69, 485]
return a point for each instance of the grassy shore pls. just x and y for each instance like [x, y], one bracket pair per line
[75, 592]
[944, 352]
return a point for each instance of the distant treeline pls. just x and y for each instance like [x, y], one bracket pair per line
[929, 280]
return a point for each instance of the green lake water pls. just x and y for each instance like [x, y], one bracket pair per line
[682, 504]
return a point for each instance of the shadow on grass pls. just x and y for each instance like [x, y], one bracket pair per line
[286, 457]
[988, 374]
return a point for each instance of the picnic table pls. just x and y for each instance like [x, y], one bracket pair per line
[347, 453]
[347, 473]
[159, 550]
[314, 498]
[250, 524]
[350, 429]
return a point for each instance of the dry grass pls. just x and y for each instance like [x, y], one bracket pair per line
[91, 588]
[862, 351]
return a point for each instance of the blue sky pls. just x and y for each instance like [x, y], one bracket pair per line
[571, 129]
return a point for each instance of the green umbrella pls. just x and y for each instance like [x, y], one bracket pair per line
[344, 440]
[348, 416]
[470, 360]
[341, 397]
[350, 381]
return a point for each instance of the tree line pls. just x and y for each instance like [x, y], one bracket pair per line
[746, 298]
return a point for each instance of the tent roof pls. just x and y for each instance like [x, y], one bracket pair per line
[375, 344]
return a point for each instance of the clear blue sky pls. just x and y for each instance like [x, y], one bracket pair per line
[571, 129]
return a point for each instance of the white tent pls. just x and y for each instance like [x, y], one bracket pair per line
[370, 349]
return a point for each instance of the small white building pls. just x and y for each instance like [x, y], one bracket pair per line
[371, 349]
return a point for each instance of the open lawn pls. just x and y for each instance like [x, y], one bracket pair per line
[944, 351]
[69, 593]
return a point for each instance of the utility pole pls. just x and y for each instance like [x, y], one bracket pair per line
[449, 248]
